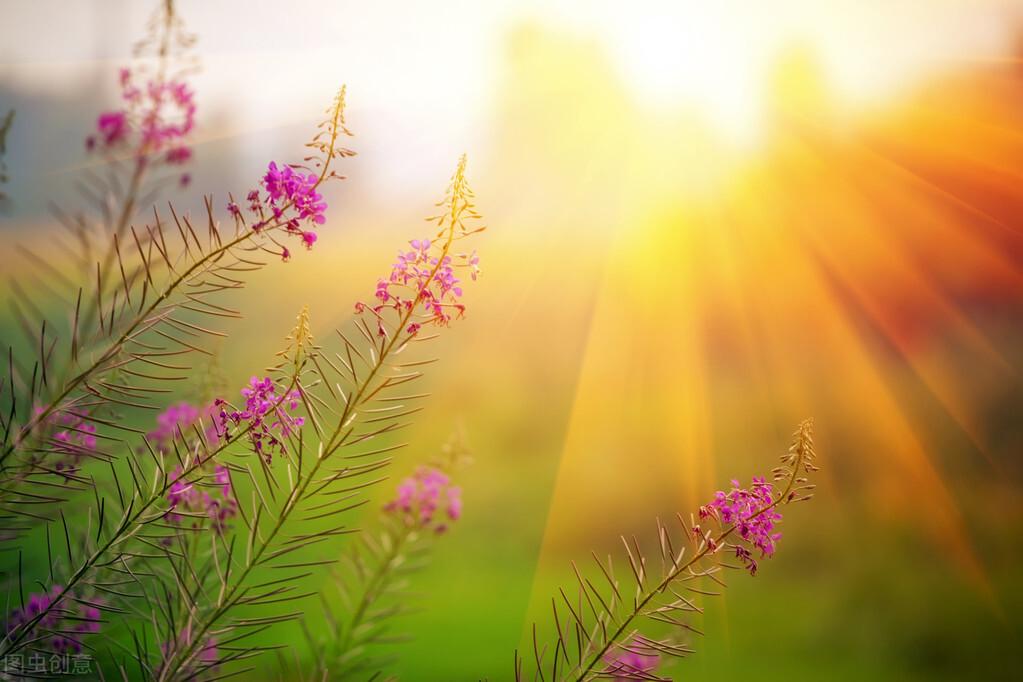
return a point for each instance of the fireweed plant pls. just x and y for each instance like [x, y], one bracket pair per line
[314, 468]
[192, 537]
[599, 622]
[189, 542]
[53, 399]
[68, 419]
[172, 547]
[137, 150]
[125, 341]
[371, 587]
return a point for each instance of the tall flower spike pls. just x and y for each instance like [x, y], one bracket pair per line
[379, 563]
[352, 397]
[800, 459]
[290, 197]
[158, 109]
[427, 500]
[602, 642]
[423, 285]
[458, 204]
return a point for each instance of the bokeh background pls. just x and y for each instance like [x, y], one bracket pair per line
[707, 221]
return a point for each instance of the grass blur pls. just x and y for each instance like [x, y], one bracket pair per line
[660, 307]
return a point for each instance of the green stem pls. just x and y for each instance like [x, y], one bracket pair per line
[336, 441]
[373, 586]
[676, 572]
[127, 528]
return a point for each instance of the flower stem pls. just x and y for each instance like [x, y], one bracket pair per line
[129, 525]
[336, 441]
[673, 574]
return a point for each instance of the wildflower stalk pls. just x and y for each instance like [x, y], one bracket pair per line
[673, 574]
[146, 320]
[612, 628]
[130, 524]
[375, 585]
[363, 391]
[165, 19]
[425, 505]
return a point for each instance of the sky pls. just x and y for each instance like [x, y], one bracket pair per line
[425, 74]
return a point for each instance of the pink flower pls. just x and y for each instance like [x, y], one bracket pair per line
[71, 438]
[266, 412]
[753, 515]
[426, 283]
[632, 661]
[291, 199]
[285, 186]
[177, 422]
[454, 503]
[179, 155]
[64, 624]
[187, 496]
[112, 127]
[423, 495]
[160, 113]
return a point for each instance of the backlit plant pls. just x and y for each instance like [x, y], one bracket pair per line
[601, 623]
[181, 531]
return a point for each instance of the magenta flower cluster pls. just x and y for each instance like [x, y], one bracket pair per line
[286, 187]
[631, 662]
[267, 415]
[177, 422]
[752, 513]
[186, 496]
[75, 436]
[290, 200]
[64, 624]
[153, 122]
[71, 437]
[420, 278]
[425, 495]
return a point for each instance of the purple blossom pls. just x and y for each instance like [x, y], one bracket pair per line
[177, 421]
[285, 186]
[752, 513]
[266, 413]
[179, 155]
[161, 113]
[290, 200]
[71, 438]
[423, 495]
[167, 116]
[187, 496]
[64, 624]
[631, 661]
[425, 282]
[112, 127]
